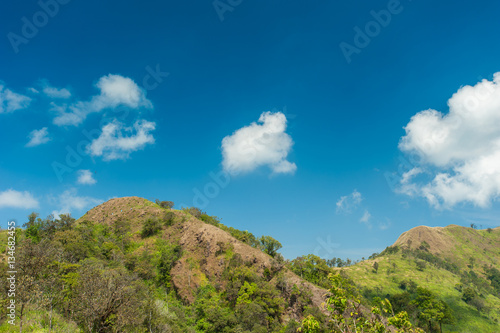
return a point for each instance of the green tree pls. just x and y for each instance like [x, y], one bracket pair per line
[269, 245]
[150, 227]
[375, 266]
[309, 325]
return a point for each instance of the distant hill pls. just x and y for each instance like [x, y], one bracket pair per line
[449, 261]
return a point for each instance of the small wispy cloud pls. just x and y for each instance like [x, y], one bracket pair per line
[38, 137]
[384, 225]
[11, 101]
[366, 218]
[69, 202]
[113, 144]
[346, 204]
[54, 92]
[115, 90]
[85, 177]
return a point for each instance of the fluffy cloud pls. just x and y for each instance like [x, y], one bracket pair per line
[112, 144]
[348, 203]
[11, 101]
[38, 137]
[15, 199]
[460, 150]
[54, 92]
[259, 144]
[85, 177]
[115, 90]
[69, 201]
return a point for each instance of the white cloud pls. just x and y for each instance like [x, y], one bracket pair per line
[54, 92]
[11, 101]
[85, 177]
[258, 145]
[38, 137]
[366, 218]
[115, 90]
[112, 144]
[16, 199]
[460, 149]
[348, 203]
[69, 201]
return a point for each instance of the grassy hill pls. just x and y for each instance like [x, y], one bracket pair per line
[149, 268]
[448, 261]
[131, 265]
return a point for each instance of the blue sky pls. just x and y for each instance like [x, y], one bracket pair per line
[328, 125]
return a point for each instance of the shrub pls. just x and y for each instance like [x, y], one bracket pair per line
[164, 204]
[195, 211]
[168, 218]
[150, 227]
[421, 265]
[468, 294]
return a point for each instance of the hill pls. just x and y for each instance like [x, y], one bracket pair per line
[131, 265]
[460, 265]
[205, 247]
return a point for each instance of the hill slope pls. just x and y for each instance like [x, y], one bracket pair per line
[130, 265]
[456, 263]
[204, 247]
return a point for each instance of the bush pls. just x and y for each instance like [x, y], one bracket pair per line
[169, 218]
[478, 303]
[165, 204]
[468, 294]
[421, 265]
[196, 212]
[150, 227]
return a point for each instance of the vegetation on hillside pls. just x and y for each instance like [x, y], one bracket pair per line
[110, 272]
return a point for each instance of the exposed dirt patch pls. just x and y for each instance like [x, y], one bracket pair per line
[436, 237]
[205, 248]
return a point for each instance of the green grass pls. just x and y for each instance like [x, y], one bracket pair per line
[481, 245]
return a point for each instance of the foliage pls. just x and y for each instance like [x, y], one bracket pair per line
[311, 268]
[269, 245]
[164, 204]
[151, 227]
[347, 315]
